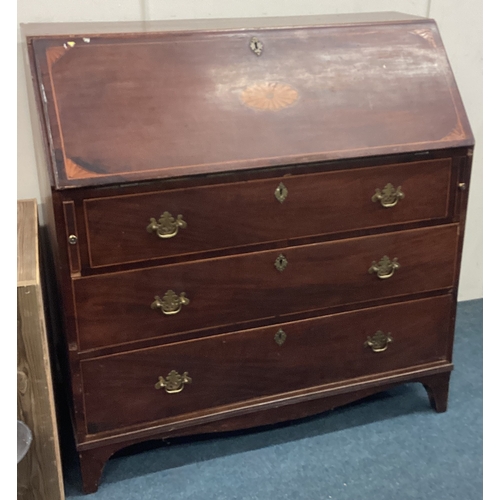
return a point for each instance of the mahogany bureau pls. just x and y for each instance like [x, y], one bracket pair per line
[252, 221]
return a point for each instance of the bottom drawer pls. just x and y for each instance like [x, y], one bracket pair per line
[126, 389]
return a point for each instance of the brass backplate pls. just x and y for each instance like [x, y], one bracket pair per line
[174, 382]
[389, 196]
[384, 268]
[379, 342]
[171, 303]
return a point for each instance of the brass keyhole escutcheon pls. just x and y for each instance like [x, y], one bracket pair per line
[280, 337]
[280, 263]
[389, 196]
[174, 382]
[384, 268]
[256, 46]
[379, 342]
[281, 192]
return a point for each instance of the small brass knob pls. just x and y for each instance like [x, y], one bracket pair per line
[72, 239]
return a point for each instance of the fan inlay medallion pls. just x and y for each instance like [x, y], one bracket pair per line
[269, 96]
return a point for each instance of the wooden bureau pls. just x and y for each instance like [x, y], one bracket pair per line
[251, 221]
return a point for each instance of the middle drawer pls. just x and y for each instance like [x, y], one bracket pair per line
[128, 306]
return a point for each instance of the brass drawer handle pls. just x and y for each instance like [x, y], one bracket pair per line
[384, 268]
[167, 226]
[379, 342]
[174, 382]
[171, 302]
[389, 196]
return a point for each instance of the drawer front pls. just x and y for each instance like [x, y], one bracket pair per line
[232, 215]
[127, 306]
[119, 390]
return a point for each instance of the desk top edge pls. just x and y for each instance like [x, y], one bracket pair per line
[34, 30]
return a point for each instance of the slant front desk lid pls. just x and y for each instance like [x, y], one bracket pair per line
[157, 104]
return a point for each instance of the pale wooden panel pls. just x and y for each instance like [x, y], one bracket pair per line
[39, 473]
[27, 246]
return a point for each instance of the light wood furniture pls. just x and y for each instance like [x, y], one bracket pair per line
[39, 474]
[253, 221]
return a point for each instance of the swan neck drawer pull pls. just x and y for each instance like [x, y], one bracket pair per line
[166, 226]
[384, 268]
[379, 342]
[171, 303]
[174, 382]
[389, 196]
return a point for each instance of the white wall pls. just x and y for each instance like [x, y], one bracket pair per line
[460, 24]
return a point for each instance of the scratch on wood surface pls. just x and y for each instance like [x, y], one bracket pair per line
[426, 34]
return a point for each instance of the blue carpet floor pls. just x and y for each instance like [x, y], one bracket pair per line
[391, 446]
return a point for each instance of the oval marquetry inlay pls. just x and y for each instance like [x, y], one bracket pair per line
[269, 96]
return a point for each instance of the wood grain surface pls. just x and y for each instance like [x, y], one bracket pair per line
[243, 213]
[250, 364]
[184, 117]
[40, 472]
[116, 308]
[181, 107]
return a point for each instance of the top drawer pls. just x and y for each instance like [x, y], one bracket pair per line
[244, 213]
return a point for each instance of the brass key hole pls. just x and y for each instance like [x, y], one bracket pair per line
[280, 263]
[280, 337]
[281, 192]
[256, 46]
